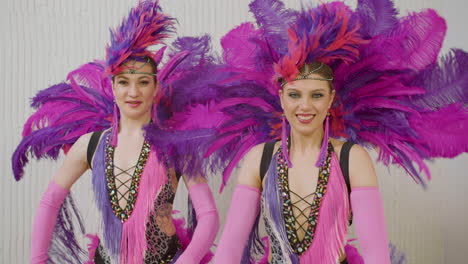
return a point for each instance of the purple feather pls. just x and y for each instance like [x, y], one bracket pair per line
[145, 26]
[328, 33]
[446, 83]
[274, 19]
[199, 48]
[396, 255]
[64, 246]
[413, 44]
[64, 113]
[376, 16]
[384, 99]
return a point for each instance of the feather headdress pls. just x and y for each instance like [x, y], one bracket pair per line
[84, 104]
[392, 92]
[145, 26]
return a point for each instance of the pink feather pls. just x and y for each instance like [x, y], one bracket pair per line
[239, 48]
[92, 247]
[451, 122]
[414, 44]
[352, 255]
[184, 237]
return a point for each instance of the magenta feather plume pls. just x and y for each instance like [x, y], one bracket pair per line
[390, 90]
[64, 113]
[273, 19]
[377, 17]
[326, 33]
[84, 104]
[451, 122]
[239, 46]
[145, 26]
[413, 44]
[445, 82]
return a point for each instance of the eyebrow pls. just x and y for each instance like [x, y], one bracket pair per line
[314, 90]
[139, 78]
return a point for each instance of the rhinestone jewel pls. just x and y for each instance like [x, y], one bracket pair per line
[298, 246]
[124, 213]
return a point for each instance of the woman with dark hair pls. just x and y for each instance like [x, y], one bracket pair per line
[134, 181]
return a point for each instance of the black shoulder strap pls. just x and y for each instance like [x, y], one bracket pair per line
[344, 163]
[266, 158]
[177, 174]
[92, 145]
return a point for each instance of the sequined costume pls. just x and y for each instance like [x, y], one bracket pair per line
[393, 93]
[276, 203]
[142, 229]
[162, 241]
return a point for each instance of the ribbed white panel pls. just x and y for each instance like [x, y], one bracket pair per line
[41, 41]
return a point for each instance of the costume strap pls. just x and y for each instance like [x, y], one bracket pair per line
[344, 160]
[92, 145]
[266, 158]
[344, 163]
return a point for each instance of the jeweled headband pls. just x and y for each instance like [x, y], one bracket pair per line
[134, 70]
[306, 76]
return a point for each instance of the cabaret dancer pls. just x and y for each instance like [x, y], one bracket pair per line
[292, 96]
[98, 117]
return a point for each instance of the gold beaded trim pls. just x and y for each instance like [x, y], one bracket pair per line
[300, 246]
[124, 213]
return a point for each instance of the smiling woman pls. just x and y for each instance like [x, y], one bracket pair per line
[302, 170]
[307, 99]
[98, 118]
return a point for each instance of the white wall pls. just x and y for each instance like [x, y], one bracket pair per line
[41, 41]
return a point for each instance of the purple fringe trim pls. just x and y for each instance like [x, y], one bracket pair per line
[112, 225]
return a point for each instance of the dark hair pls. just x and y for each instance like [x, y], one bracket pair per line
[319, 68]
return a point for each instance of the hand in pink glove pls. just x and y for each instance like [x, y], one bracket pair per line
[244, 208]
[207, 224]
[44, 222]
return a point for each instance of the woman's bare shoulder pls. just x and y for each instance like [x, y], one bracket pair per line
[361, 168]
[75, 163]
[249, 173]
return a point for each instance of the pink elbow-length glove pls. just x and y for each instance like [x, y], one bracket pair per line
[245, 206]
[207, 224]
[369, 220]
[44, 222]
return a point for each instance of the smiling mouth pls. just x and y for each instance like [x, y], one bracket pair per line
[305, 118]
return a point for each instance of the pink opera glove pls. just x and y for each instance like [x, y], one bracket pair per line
[369, 220]
[44, 222]
[244, 208]
[207, 224]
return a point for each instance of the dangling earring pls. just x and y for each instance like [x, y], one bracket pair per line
[284, 141]
[324, 147]
[114, 126]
